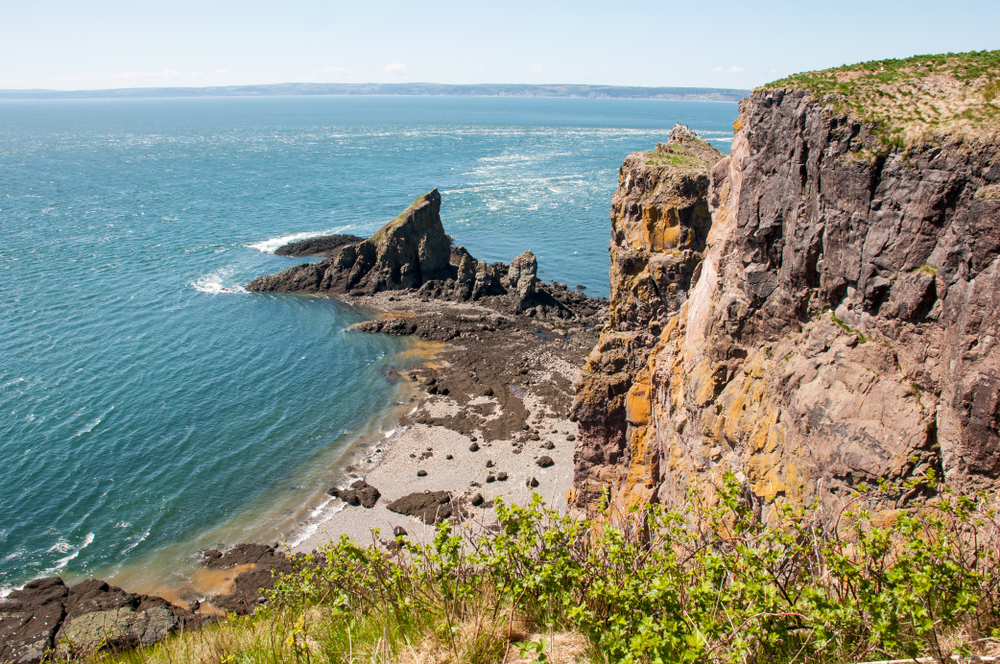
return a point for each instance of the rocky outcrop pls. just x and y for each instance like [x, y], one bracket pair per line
[841, 326]
[413, 253]
[328, 245]
[659, 225]
[261, 565]
[404, 253]
[46, 619]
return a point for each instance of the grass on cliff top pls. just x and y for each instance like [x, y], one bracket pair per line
[914, 99]
[709, 582]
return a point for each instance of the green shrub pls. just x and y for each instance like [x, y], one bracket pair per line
[720, 580]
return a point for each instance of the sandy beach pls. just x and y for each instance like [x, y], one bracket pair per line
[487, 407]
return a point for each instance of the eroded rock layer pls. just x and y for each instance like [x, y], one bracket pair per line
[840, 328]
[659, 225]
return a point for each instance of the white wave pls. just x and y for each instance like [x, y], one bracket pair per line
[62, 546]
[90, 427]
[220, 281]
[319, 515]
[139, 540]
[268, 246]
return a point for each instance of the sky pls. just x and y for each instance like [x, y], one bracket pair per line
[73, 45]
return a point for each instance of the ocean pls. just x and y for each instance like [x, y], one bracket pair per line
[149, 407]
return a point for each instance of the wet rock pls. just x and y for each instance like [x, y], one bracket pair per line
[47, 617]
[246, 593]
[330, 245]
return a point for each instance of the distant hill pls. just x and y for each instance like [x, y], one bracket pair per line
[411, 89]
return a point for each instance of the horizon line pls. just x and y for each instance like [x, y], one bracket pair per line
[551, 90]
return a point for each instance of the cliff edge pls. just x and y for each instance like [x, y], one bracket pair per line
[841, 326]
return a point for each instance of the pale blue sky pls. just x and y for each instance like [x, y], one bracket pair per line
[106, 43]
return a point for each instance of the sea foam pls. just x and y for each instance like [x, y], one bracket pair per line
[220, 281]
[270, 245]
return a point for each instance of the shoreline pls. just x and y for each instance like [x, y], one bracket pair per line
[177, 572]
[449, 436]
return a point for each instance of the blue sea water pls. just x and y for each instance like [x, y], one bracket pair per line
[149, 406]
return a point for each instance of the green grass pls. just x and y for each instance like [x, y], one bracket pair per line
[677, 160]
[920, 97]
[709, 582]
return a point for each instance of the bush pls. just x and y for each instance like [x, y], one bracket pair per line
[713, 582]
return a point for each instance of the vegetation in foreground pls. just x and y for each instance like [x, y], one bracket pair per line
[914, 99]
[707, 583]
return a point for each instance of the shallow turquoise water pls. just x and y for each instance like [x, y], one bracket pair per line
[146, 404]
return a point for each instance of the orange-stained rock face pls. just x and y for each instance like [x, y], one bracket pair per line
[837, 324]
[660, 222]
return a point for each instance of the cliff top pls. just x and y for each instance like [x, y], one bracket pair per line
[683, 149]
[913, 99]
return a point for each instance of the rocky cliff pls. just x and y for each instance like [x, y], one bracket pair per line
[841, 325]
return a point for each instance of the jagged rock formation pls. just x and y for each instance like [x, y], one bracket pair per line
[406, 252]
[842, 326]
[412, 252]
[659, 224]
[47, 618]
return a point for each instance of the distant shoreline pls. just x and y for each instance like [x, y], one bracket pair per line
[395, 89]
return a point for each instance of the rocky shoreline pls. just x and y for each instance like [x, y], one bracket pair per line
[489, 418]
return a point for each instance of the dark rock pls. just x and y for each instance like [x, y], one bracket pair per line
[429, 506]
[490, 478]
[46, 617]
[521, 280]
[571, 437]
[404, 253]
[327, 244]
[368, 496]
[474, 447]
[501, 476]
[532, 482]
[421, 473]
[548, 445]
[476, 500]
[246, 593]
[545, 461]
[399, 531]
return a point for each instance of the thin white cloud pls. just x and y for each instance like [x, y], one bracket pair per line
[534, 69]
[734, 70]
[395, 68]
[718, 69]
